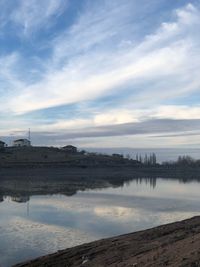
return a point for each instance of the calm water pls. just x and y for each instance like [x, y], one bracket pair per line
[44, 224]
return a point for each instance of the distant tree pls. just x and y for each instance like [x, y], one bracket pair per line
[183, 161]
[146, 159]
[154, 160]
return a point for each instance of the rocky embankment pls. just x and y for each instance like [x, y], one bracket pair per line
[176, 244]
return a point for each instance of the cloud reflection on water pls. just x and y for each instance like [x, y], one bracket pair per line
[51, 222]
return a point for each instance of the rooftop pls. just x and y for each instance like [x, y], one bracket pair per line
[21, 140]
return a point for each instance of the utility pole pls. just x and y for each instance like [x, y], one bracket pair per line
[29, 134]
[27, 208]
[11, 139]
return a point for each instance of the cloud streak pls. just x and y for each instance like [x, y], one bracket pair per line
[148, 128]
[151, 60]
[33, 15]
[103, 51]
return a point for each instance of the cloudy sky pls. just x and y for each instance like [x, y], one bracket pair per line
[103, 73]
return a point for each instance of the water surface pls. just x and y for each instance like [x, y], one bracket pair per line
[36, 225]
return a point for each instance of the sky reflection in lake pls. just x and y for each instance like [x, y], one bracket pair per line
[45, 224]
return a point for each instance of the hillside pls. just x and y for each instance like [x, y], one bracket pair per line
[52, 155]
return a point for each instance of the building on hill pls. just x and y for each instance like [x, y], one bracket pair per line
[70, 149]
[2, 144]
[21, 143]
[20, 199]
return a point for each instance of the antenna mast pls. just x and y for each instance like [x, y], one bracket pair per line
[29, 134]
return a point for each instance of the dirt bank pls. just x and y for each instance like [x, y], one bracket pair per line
[176, 244]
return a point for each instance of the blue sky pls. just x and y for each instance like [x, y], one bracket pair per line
[103, 73]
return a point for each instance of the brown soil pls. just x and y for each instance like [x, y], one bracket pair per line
[176, 244]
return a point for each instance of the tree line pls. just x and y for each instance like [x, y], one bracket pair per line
[147, 159]
[183, 161]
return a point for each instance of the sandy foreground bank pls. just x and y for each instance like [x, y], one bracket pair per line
[175, 244]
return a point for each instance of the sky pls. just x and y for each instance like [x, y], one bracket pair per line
[103, 73]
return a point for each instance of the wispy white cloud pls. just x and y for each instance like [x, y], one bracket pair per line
[34, 14]
[161, 65]
[117, 116]
[9, 81]
[102, 54]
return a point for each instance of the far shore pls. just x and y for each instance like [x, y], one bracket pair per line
[43, 180]
[59, 169]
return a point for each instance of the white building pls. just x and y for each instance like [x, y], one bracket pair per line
[21, 142]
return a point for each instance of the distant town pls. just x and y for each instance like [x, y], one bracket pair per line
[18, 142]
[24, 142]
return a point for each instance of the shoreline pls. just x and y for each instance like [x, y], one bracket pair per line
[69, 180]
[175, 244]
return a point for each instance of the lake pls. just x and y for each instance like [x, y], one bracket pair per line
[39, 224]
